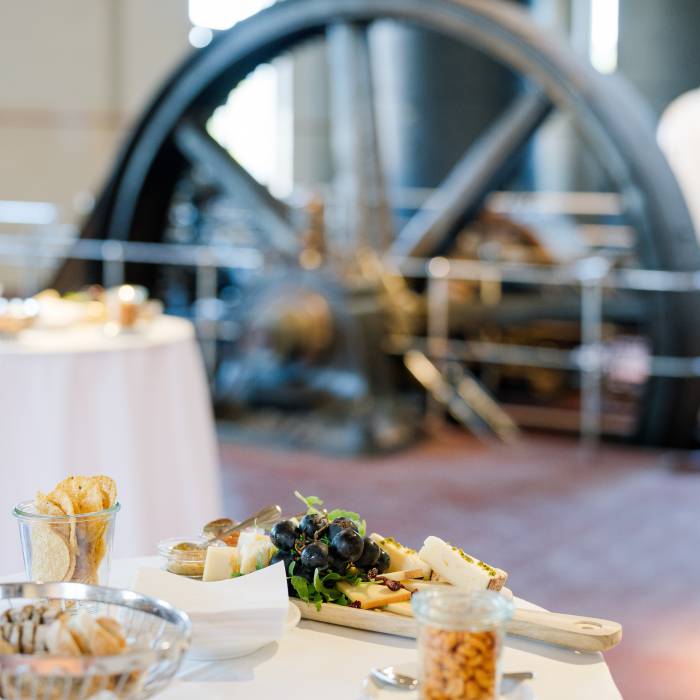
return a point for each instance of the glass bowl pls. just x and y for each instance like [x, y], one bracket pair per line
[158, 635]
[185, 560]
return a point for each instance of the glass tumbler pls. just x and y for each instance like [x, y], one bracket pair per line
[74, 548]
[460, 636]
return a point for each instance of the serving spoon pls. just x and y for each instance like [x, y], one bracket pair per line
[222, 527]
[390, 676]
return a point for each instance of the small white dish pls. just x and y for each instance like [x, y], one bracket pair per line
[372, 691]
[213, 645]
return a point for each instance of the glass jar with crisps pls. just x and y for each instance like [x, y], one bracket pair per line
[68, 534]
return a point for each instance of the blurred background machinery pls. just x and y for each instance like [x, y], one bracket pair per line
[453, 213]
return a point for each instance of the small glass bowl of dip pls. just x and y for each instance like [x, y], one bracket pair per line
[185, 556]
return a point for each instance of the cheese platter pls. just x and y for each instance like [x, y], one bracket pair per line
[339, 574]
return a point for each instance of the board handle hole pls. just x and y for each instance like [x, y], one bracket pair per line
[588, 625]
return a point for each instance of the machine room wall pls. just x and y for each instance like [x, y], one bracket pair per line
[75, 73]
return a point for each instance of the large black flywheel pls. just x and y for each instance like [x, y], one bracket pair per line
[171, 140]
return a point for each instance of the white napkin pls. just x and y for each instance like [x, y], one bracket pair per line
[251, 605]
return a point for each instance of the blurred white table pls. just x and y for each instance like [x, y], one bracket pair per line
[679, 138]
[134, 406]
[317, 660]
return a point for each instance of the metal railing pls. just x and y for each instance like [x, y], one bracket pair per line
[590, 276]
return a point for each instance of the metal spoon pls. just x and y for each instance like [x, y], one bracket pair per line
[222, 527]
[389, 676]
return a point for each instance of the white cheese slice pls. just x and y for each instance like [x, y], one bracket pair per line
[402, 558]
[221, 563]
[460, 569]
[256, 554]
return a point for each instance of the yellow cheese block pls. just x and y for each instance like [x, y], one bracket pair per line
[415, 585]
[372, 595]
[405, 609]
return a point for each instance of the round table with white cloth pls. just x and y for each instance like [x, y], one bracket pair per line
[134, 406]
[318, 660]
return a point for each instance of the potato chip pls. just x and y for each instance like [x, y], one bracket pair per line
[74, 487]
[51, 556]
[77, 486]
[46, 507]
[109, 490]
[64, 502]
[85, 537]
[91, 498]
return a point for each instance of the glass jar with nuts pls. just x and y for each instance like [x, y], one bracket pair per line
[460, 635]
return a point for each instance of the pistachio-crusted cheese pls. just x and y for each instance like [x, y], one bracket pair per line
[401, 558]
[460, 569]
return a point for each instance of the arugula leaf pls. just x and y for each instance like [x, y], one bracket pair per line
[301, 586]
[310, 502]
[319, 585]
[350, 515]
[332, 576]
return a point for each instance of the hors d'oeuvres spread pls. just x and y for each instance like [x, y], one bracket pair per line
[330, 559]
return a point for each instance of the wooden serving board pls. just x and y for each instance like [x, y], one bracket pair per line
[570, 631]
[359, 619]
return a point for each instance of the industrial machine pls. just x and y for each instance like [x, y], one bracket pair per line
[365, 302]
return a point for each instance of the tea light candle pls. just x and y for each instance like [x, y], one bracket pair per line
[128, 306]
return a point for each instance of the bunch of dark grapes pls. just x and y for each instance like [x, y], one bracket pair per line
[327, 546]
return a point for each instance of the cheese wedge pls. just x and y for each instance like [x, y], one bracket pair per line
[401, 575]
[372, 595]
[405, 609]
[402, 558]
[461, 569]
[415, 585]
[256, 553]
[221, 563]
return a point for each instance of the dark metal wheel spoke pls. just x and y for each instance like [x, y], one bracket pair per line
[364, 219]
[202, 150]
[483, 168]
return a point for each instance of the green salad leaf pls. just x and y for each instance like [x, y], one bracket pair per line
[322, 589]
[350, 515]
[301, 586]
[310, 502]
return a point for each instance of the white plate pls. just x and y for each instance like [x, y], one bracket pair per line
[228, 646]
[372, 691]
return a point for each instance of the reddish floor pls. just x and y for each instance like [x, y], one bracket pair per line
[614, 534]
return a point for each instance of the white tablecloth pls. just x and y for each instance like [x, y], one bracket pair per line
[316, 660]
[679, 138]
[134, 406]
